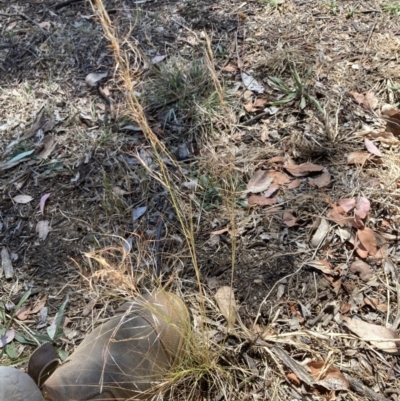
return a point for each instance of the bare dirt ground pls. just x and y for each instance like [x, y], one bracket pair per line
[309, 246]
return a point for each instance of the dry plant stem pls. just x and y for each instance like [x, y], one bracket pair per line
[211, 67]
[138, 115]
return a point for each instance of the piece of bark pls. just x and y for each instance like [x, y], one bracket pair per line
[6, 264]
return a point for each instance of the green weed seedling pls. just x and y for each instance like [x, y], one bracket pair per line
[392, 8]
[299, 91]
[54, 332]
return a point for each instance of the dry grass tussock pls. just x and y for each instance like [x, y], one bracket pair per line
[204, 367]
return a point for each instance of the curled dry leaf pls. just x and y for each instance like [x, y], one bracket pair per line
[378, 336]
[261, 200]
[372, 148]
[389, 110]
[22, 199]
[259, 182]
[320, 233]
[357, 157]
[42, 202]
[322, 265]
[330, 378]
[49, 144]
[302, 169]
[363, 206]
[365, 271]
[227, 304]
[321, 181]
[289, 220]
[94, 77]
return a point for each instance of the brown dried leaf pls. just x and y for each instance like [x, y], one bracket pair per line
[321, 181]
[357, 157]
[370, 100]
[374, 304]
[49, 144]
[293, 377]
[276, 159]
[279, 177]
[294, 184]
[330, 378]
[289, 220]
[302, 169]
[367, 240]
[261, 200]
[259, 182]
[249, 107]
[358, 97]
[23, 313]
[372, 148]
[337, 214]
[367, 99]
[363, 207]
[389, 110]
[39, 305]
[347, 204]
[227, 304]
[384, 136]
[378, 336]
[230, 68]
[364, 269]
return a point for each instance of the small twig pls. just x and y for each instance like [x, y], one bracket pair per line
[157, 239]
[256, 118]
[25, 17]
